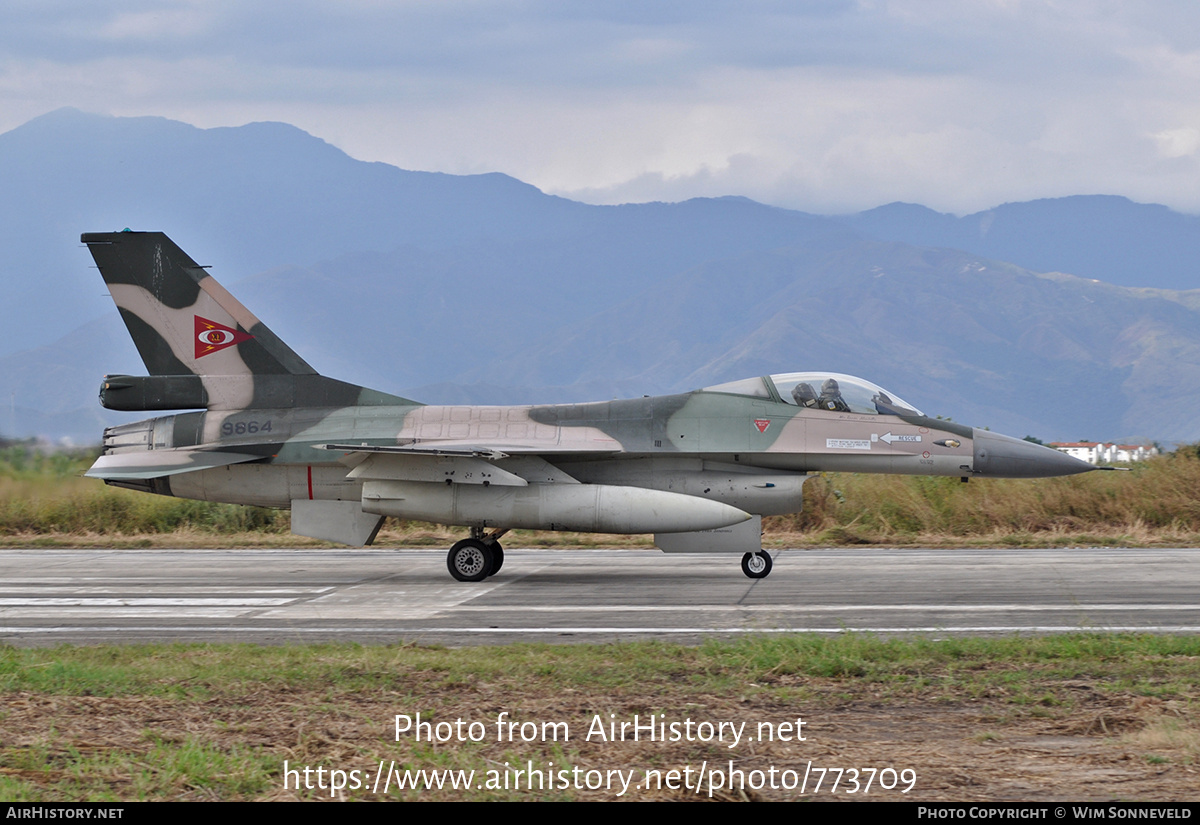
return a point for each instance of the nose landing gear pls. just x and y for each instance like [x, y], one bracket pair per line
[757, 565]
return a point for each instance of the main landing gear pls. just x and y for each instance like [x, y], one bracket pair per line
[476, 558]
[481, 556]
[757, 565]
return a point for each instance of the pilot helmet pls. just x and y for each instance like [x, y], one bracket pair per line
[803, 393]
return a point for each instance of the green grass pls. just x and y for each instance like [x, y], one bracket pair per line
[1156, 665]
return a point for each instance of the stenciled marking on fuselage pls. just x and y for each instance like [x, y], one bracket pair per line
[847, 444]
[888, 438]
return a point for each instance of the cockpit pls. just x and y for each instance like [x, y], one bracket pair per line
[827, 391]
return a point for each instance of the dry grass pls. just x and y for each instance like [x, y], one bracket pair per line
[1167, 730]
[1074, 718]
[44, 502]
[1155, 503]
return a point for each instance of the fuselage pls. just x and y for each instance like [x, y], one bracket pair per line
[750, 452]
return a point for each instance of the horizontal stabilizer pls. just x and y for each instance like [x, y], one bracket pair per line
[159, 463]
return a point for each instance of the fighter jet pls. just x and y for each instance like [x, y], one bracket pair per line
[699, 470]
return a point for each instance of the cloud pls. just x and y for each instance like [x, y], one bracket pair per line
[840, 104]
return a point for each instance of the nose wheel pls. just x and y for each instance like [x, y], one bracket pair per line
[757, 565]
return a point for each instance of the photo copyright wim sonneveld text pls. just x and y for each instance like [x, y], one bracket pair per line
[704, 779]
[1126, 810]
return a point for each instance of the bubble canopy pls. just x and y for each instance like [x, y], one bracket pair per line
[827, 391]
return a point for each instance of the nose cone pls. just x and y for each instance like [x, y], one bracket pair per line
[1002, 456]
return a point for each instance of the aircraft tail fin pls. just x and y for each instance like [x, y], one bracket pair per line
[182, 321]
[202, 347]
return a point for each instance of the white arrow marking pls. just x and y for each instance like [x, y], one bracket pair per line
[888, 438]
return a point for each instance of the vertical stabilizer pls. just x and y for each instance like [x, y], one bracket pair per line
[203, 349]
[181, 319]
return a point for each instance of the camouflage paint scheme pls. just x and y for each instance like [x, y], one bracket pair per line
[698, 469]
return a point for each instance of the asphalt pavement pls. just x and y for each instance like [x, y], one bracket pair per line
[50, 596]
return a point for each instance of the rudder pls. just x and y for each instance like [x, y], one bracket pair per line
[202, 347]
[181, 320]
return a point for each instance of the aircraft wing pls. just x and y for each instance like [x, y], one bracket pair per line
[473, 464]
[471, 448]
[158, 463]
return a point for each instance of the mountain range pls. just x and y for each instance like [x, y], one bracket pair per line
[1068, 318]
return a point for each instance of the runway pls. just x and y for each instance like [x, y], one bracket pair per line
[52, 597]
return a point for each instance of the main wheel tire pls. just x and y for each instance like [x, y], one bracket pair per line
[757, 565]
[470, 560]
[497, 557]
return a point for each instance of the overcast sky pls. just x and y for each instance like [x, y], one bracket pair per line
[826, 106]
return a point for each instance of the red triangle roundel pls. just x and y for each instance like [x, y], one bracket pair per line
[212, 337]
